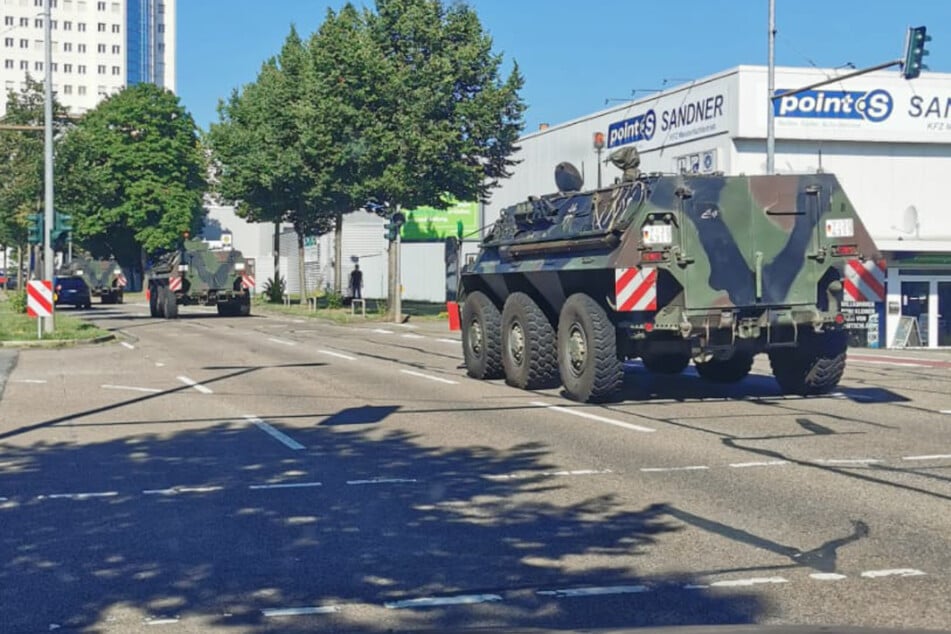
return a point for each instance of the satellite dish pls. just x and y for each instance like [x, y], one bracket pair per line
[568, 178]
[909, 222]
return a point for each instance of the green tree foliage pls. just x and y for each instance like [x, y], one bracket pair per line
[132, 175]
[21, 165]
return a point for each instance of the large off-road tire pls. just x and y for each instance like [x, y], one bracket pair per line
[731, 370]
[482, 337]
[244, 308]
[226, 309]
[170, 304]
[814, 367]
[666, 363]
[157, 300]
[528, 345]
[587, 351]
[120, 299]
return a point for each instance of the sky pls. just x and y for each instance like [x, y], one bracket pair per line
[580, 57]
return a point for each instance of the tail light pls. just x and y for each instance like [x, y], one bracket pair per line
[841, 250]
[649, 326]
[59, 287]
[652, 256]
[839, 318]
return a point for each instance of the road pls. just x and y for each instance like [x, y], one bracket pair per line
[277, 474]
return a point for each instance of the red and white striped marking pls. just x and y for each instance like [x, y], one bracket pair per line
[635, 289]
[39, 302]
[174, 283]
[121, 281]
[247, 281]
[864, 281]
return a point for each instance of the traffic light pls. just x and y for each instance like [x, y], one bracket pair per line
[62, 225]
[914, 51]
[393, 226]
[34, 231]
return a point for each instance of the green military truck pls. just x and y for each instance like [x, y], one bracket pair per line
[104, 278]
[198, 275]
[666, 268]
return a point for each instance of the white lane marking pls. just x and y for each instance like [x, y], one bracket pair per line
[283, 342]
[383, 331]
[426, 602]
[452, 341]
[161, 622]
[131, 388]
[411, 335]
[177, 490]
[690, 468]
[324, 609]
[594, 417]
[730, 583]
[79, 496]
[338, 355]
[297, 321]
[937, 456]
[696, 586]
[381, 481]
[944, 411]
[159, 364]
[827, 576]
[273, 433]
[195, 384]
[593, 591]
[430, 377]
[765, 463]
[894, 572]
[848, 460]
[287, 485]
[32, 381]
[901, 364]
[126, 344]
[522, 476]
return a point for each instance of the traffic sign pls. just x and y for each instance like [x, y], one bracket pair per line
[39, 298]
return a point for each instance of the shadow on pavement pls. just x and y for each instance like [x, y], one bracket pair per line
[189, 525]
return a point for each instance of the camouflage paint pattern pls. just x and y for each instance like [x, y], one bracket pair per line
[737, 243]
[217, 271]
[99, 275]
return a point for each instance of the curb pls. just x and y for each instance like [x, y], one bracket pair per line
[56, 343]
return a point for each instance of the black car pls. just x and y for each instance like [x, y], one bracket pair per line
[72, 291]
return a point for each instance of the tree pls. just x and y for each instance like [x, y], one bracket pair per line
[132, 175]
[260, 146]
[445, 122]
[22, 160]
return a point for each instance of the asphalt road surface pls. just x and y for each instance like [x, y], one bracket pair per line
[275, 474]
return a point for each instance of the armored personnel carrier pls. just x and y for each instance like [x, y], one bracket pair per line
[195, 274]
[104, 278]
[666, 268]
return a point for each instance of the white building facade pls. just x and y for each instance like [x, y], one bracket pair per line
[99, 47]
[886, 138]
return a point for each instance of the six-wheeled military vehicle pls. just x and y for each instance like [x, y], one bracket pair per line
[104, 278]
[196, 274]
[667, 268]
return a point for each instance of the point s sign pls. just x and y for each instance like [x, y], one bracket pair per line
[871, 105]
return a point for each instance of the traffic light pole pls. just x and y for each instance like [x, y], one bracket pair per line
[48, 178]
[398, 300]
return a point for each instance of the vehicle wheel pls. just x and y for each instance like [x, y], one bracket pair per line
[814, 367]
[528, 352]
[587, 350]
[730, 370]
[170, 304]
[156, 296]
[119, 298]
[666, 363]
[482, 337]
[244, 308]
[226, 309]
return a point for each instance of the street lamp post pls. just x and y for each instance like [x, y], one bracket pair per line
[770, 123]
[48, 151]
[599, 147]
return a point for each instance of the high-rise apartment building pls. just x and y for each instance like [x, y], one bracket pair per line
[99, 47]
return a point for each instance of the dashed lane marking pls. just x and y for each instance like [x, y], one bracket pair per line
[894, 572]
[899, 364]
[130, 388]
[429, 602]
[594, 591]
[594, 417]
[31, 381]
[381, 481]
[411, 335]
[177, 490]
[283, 342]
[430, 377]
[547, 474]
[323, 609]
[662, 469]
[753, 581]
[195, 384]
[79, 496]
[455, 342]
[827, 576]
[126, 344]
[383, 331]
[944, 411]
[338, 355]
[834, 461]
[161, 621]
[281, 437]
[765, 463]
[285, 485]
[937, 456]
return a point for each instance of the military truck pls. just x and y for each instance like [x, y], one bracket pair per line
[669, 269]
[198, 275]
[104, 278]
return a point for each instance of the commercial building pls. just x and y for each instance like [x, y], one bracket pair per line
[99, 47]
[887, 139]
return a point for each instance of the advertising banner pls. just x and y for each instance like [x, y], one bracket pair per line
[426, 224]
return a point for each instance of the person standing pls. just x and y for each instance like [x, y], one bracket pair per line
[356, 283]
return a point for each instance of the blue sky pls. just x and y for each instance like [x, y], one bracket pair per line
[576, 55]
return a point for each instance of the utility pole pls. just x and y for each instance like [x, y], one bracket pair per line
[398, 300]
[48, 124]
[770, 122]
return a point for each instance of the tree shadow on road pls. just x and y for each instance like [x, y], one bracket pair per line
[199, 525]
